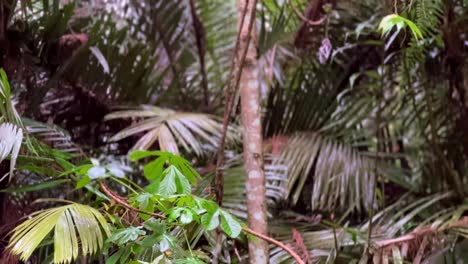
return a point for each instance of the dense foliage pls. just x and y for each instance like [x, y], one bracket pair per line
[111, 114]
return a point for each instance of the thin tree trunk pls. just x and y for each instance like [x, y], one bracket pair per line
[251, 122]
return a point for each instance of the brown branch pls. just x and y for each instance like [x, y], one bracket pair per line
[122, 202]
[304, 18]
[200, 40]
[276, 242]
[422, 232]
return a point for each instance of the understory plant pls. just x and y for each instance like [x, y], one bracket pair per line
[157, 223]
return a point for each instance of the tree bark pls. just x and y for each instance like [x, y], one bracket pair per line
[252, 133]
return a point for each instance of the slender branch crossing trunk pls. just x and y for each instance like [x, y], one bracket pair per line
[252, 133]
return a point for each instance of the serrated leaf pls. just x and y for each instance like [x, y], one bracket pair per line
[168, 187]
[183, 185]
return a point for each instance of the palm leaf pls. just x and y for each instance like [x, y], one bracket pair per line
[342, 176]
[71, 223]
[234, 197]
[52, 135]
[320, 239]
[11, 138]
[170, 129]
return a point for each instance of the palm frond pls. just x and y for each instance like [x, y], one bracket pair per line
[341, 176]
[52, 135]
[74, 225]
[234, 197]
[392, 231]
[11, 138]
[7, 110]
[170, 129]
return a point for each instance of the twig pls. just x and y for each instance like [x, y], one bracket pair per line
[200, 41]
[122, 202]
[304, 18]
[276, 242]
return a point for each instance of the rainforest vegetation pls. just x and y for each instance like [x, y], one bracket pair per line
[233, 131]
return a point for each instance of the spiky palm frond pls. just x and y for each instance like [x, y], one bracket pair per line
[393, 230]
[341, 176]
[234, 184]
[75, 226]
[52, 135]
[11, 138]
[7, 110]
[170, 129]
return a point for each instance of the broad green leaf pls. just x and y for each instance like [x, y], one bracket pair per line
[145, 203]
[210, 220]
[229, 225]
[183, 185]
[154, 169]
[168, 185]
[186, 217]
[157, 226]
[85, 180]
[116, 256]
[141, 154]
[124, 235]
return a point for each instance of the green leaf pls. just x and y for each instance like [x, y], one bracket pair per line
[186, 217]
[150, 241]
[174, 213]
[116, 256]
[183, 185]
[389, 21]
[85, 180]
[124, 235]
[210, 220]
[141, 154]
[229, 225]
[145, 203]
[168, 187]
[5, 83]
[154, 169]
[36, 187]
[184, 166]
[414, 29]
[157, 226]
